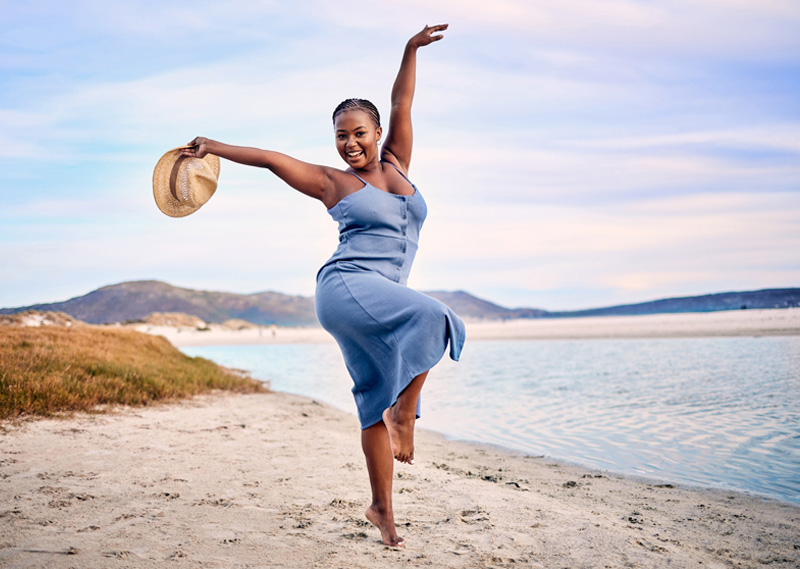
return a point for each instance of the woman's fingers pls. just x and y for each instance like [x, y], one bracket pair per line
[196, 148]
[433, 29]
[426, 36]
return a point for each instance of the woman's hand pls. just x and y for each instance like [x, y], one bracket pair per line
[426, 36]
[197, 148]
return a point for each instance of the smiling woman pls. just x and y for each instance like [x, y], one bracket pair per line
[390, 336]
[358, 131]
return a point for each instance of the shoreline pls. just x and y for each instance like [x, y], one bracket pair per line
[736, 323]
[774, 322]
[225, 479]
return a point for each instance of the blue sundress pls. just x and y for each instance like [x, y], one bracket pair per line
[387, 332]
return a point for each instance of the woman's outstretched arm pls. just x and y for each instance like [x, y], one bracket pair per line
[310, 179]
[399, 140]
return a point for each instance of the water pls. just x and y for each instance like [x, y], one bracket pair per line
[713, 412]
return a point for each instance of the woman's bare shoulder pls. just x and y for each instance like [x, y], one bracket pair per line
[342, 184]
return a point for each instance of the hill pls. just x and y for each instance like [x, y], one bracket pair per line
[756, 299]
[468, 306]
[136, 300]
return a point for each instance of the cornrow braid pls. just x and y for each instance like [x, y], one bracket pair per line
[361, 104]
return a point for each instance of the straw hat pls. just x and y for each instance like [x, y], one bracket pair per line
[181, 184]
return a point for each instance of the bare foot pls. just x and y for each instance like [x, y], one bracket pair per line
[401, 434]
[385, 522]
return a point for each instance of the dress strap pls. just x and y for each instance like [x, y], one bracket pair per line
[400, 172]
[363, 181]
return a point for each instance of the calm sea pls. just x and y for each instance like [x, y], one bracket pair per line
[714, 412]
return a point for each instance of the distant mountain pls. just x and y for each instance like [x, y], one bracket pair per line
[768, 298]
[136, 300]
[468, 306]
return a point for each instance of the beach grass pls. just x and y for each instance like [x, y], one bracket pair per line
[46, 371]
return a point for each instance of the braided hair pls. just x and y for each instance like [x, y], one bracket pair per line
[360, 104]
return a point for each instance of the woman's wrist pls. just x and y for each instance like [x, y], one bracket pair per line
[210, 146]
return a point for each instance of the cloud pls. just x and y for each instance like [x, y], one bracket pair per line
[568, 151]
[779, 137]
[749, 29]
[694, 244]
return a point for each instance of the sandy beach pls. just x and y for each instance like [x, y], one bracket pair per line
[728, 323]
[276, 480]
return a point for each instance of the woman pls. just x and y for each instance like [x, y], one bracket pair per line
[390, 335]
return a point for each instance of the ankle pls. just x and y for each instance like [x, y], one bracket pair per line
[403, 414]
[381, 508]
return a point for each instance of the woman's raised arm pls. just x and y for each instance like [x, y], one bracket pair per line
[310, 179]
[399, 140]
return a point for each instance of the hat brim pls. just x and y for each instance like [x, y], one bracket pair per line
[163, 173]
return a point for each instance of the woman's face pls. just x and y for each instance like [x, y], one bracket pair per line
[357, 138]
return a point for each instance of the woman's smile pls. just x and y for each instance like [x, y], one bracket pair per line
[356, 137]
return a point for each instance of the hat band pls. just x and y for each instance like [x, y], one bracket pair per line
[173, 177]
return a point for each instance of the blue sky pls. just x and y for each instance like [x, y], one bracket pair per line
[573, 154]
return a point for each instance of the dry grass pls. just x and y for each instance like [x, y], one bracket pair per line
[49, 370]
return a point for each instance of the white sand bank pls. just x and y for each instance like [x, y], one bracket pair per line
[728, 323]
[275, 480]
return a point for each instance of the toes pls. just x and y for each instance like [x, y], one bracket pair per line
[397, 542]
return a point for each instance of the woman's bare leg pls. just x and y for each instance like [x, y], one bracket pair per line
[378, 451]
[400, 419]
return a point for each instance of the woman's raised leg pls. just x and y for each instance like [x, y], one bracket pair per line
[378, 451]
[400, 419]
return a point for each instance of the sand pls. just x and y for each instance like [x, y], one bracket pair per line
[728, 323]
[276, 480]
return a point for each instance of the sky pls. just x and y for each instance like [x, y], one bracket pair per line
[573, 154]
